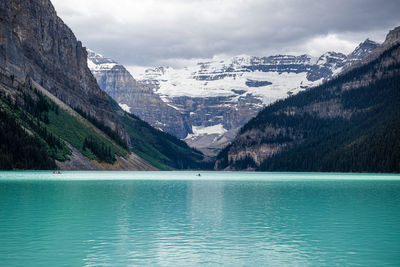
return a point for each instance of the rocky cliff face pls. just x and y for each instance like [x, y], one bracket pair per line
[349, 123]
[206, 103]
[36, 44]
[48, 89]
[136, 97]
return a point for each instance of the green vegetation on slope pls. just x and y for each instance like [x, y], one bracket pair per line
[75, 131]
[101, 151]
[18, 149]
[51, 125]
[160, 149]
[34, 125]
[105, 129]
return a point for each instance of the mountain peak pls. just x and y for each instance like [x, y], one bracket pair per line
[98, 62]
[362, 50]
[369, 41]
[393, 36]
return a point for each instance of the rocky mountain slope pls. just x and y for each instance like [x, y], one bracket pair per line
[48, 89]
[37, 45]
[134, 97]
[206, 103]
[350, 123]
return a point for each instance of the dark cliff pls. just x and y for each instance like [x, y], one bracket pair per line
[48, 89]
[36, 44]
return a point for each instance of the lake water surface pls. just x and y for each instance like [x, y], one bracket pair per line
[178, 219]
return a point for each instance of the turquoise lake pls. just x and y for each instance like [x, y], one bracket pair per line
[178, 219]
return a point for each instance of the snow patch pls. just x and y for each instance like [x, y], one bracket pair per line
[222, 78]
[172, 106]
[91, 64]
[125, 107]
[97, 62]
[207, 130]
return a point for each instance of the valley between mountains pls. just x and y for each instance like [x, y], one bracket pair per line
[205, 104]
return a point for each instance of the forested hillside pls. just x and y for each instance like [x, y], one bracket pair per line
[349, 124]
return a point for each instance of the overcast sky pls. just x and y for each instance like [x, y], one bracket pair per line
[172, 32]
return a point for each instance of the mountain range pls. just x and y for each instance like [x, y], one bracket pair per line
[206, 103]
[350, 123]
[63, 106]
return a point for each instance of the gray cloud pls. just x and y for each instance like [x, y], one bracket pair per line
[155, 32]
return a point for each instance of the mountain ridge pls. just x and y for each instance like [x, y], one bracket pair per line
[349, 123]
[192, 102]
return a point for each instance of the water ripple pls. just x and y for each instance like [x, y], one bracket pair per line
[284, 222]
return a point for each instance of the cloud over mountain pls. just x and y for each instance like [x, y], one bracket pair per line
[155, 32]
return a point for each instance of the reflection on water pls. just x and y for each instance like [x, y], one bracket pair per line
[187, 222]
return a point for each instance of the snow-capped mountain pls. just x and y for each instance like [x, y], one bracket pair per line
[211, 100]
[363, 50]
[267, 78]
[134, 97]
